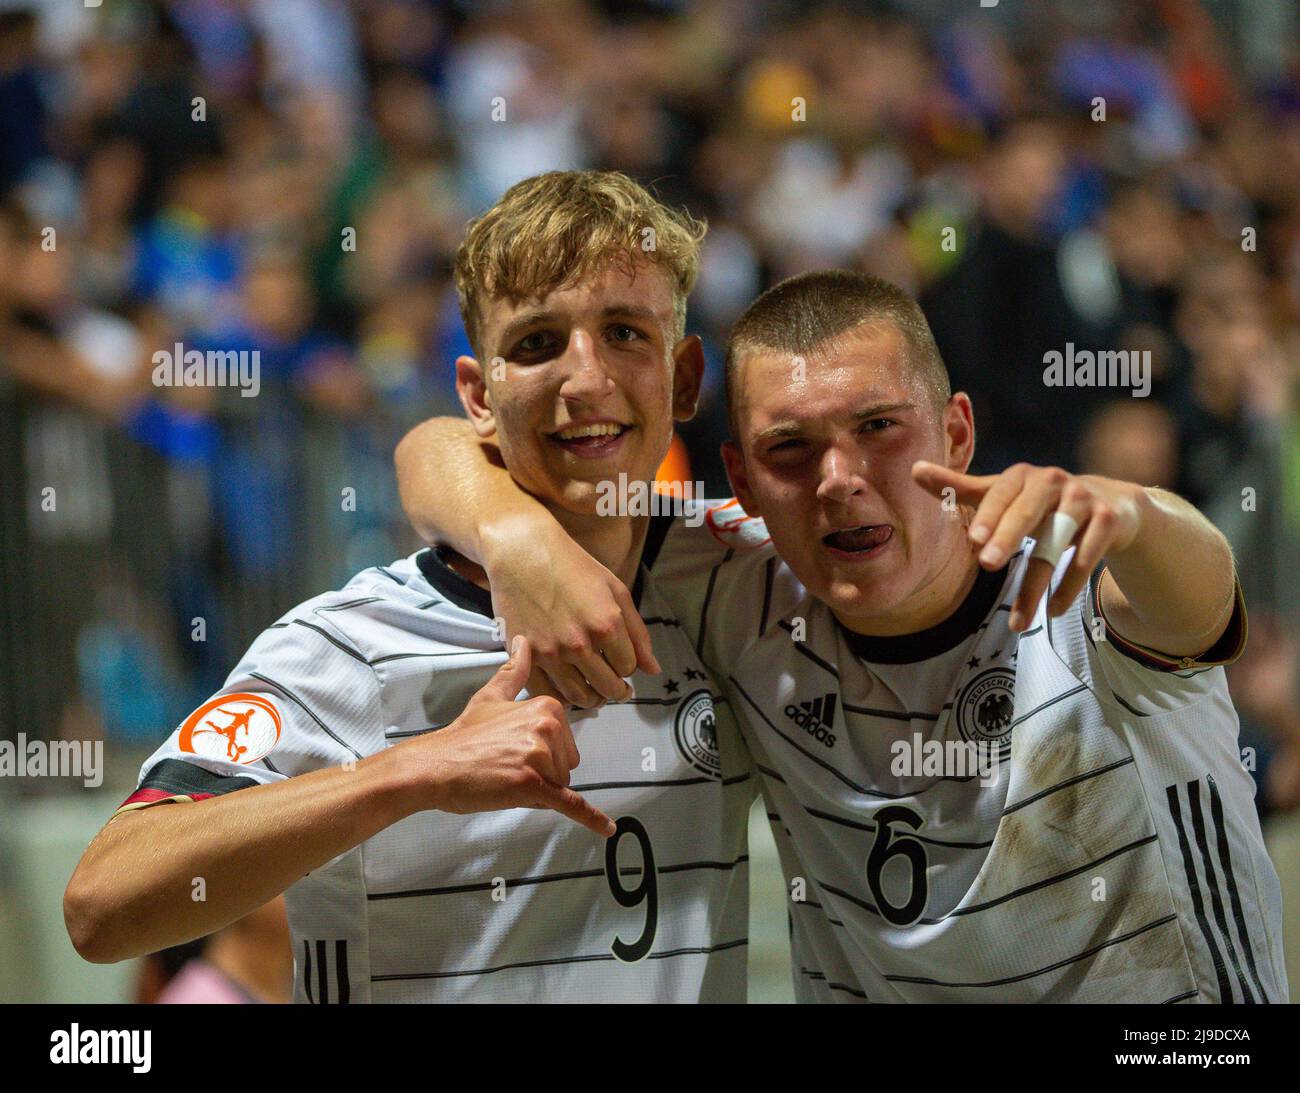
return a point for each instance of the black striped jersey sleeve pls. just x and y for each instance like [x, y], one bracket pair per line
[303, 697]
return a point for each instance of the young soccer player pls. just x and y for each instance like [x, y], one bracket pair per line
[356, 754]
[906, 611]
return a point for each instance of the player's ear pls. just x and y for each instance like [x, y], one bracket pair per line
[734, 460]
[472, 387]
[688, 375]
[959, 432]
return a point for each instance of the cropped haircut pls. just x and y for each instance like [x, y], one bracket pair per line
[803, 312]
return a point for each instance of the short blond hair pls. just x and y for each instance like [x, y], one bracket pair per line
[554, 229]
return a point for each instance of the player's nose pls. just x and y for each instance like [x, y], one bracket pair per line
[842, 476]
[585, 375]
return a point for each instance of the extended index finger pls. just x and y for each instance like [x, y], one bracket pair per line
[576, 807]
[967, 488]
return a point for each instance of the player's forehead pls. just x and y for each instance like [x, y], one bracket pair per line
[632, 290]
[869, 365]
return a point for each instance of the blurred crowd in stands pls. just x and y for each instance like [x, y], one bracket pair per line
[1115, 175]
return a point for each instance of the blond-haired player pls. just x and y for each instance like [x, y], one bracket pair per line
[387, 779]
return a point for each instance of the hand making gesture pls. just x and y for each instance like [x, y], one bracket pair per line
[1097, 515]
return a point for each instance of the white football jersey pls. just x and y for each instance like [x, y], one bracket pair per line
[1111, 854]
[517, 905]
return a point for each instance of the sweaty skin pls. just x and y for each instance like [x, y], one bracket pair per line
[856, 443]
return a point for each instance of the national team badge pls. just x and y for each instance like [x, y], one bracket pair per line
[984, 709]
[238, 728]
[696, 733]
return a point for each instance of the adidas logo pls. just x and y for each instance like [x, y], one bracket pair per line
[816, 717]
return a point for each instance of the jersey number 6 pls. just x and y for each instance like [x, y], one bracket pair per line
[890, 844]
[646, 891]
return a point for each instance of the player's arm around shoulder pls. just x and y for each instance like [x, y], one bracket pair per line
[242, 840]
[582, 625]
[579, 618]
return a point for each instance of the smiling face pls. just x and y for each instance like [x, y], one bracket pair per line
[825, 457]
[586, 384]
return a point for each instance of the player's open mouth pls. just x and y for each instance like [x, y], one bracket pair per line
[858, 544]
[593, 440]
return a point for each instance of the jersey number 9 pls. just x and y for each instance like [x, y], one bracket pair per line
[646, 890]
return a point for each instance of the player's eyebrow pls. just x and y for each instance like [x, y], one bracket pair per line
[785, 428]
[882, 408]
[520, 323]
[793, 428]
[540, 316]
